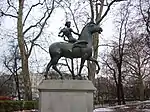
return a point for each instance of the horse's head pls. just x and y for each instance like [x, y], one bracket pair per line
[88, 30]
[93, 28]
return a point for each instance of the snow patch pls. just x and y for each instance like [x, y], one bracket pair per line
[103, 110]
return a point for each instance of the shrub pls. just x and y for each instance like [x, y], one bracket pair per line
[30, 105]
[5, 98]
[10, 106]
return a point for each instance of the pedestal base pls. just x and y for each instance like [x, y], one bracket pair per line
[66, 96]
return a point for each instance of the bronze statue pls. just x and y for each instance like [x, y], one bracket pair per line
[71, 50]
[66, 32]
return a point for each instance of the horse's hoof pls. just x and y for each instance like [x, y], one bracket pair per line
[73, 77]
[80, 78]
[61, 78]
[45, 77]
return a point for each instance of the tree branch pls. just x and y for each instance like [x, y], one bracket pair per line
[5, 14]
[31, 10]
[42, 27]
[92, 10]
[108, 8]
[11, 5]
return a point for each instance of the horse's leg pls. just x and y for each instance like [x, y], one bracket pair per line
[81, 66]
[47, 69]
[96, 62]
[54, 63]
[73, 76]
[56, 69]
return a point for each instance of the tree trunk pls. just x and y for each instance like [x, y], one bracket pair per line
[92, 66]
[24, 56]
[26, 78]
[141, 89]
[17, 78]
[122, 95]
[120, 86]
[17, 85]
[119, 83]
[118, 94]
[91, 71]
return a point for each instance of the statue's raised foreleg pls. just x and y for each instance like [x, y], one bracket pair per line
[96, 62]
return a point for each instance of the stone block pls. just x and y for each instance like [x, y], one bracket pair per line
[66, 96]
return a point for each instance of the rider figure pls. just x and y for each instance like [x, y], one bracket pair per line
[66, 32]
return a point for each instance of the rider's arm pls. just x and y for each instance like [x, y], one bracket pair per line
[65, 39]
[75, 32]
[60, 33]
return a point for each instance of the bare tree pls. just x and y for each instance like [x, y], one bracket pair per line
[144, 9]
[139, 56]
[117, 54]
[11, 62]
[99, 16]
[23, 16]
[130, 56]
[138, 62]
[12, 65]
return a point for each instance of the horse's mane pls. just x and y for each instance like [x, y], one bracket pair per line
[85, 26]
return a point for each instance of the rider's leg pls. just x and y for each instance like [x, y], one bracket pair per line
[72, 40]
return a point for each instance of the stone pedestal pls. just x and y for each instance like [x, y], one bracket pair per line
[66, 96]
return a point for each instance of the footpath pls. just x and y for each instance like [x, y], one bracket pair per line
[135, 106]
